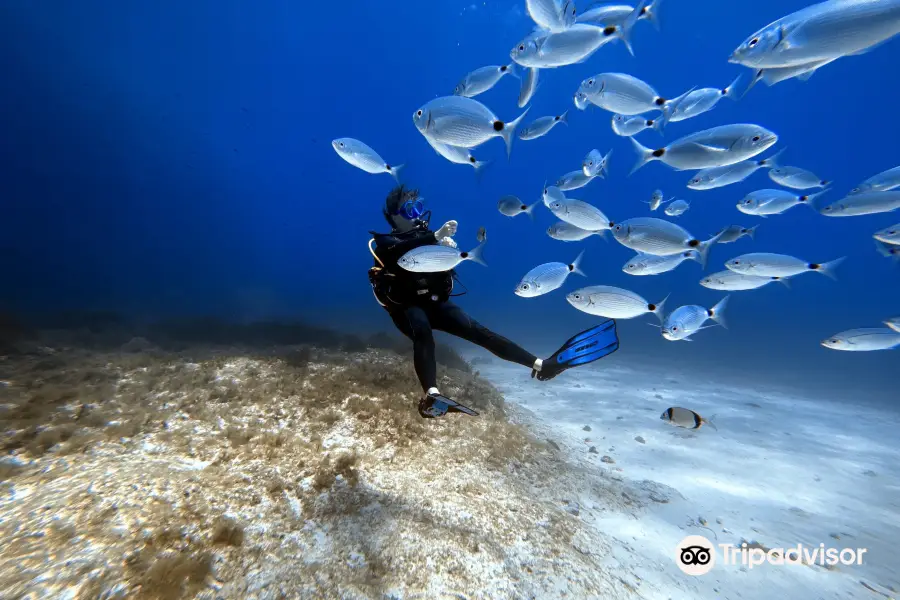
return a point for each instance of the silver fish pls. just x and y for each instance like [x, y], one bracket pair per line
[363, 157]
[574, 45]
[649, 235]
[647, 264]
[893, 323]
[685, 321]
[573, 180]
[889, 235]
[797, 178]
[655, 200]
[483, 79]
[547, 277]
[627, 126]
[716, 177]
[529, 87]
[883, 182]
[542, 126]
[733, 233]
[764, 264]
[566, 232]
[677, 208]
[777, 75]
[580, 214]
[863, 340]
[463, 122]
[460, 156]
[616, 14]
[595, 164]
[762, 203]
[823, 31]
[624, 94]
[613, 303]
[437, 258]
[729, 281]
[888, 250]
[482, 234]
[716, 147]
[511, 206]
[703, 100]
[867, 203]
[685, 418]
[553, 15]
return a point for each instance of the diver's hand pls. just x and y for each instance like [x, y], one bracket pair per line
[448, 241]
[448, 229]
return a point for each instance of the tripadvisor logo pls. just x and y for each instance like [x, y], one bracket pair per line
[696, 555]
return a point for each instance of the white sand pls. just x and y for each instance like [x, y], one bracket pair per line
[790, 470]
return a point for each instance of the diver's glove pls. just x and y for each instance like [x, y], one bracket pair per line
[448, 241]
[448, 229]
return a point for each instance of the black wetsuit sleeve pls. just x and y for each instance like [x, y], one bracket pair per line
[391, 248]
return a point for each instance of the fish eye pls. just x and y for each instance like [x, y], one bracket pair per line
[737, 262]
[577, 296]
[674, 328]
[754, 42]
[419, 113]
[590, 82]
[854, 191]
[524, 286]
[756, 138]
[341, 144]
[521, 47]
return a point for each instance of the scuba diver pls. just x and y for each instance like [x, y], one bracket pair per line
[419, 303]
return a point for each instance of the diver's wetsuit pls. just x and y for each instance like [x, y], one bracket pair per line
[419, 303]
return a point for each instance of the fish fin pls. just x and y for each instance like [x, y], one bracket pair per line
[645, 155]
[395, 171]
[785, 281]
[509, 132]
[530, 210]
[717, 312]
[659, 309]
[731, 91]
[772, 161]
[703, 248]
[602, 234]
[709, 422]
[480, 167]
[709, 148]
[475, 254]
[513, 70]
[605, 170]
[807, 75]
[866, 50]
[810, 199]
[757, 76]
[752, 233]
[624, 32]
[882, 248]
[564, 118]
[660, 123]
[828, 269]
[576, 265]
[687, 339]
[653, 13]
[655, 325]
[671, 107]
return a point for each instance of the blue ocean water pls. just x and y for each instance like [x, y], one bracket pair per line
[174, 158]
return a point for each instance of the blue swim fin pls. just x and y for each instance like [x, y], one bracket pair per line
[586, 347]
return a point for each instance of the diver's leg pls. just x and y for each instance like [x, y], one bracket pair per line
[450, 318]
[413, 323]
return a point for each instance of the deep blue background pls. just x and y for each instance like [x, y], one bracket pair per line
[174, 157]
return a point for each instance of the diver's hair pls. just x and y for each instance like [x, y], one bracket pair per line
[395, 200]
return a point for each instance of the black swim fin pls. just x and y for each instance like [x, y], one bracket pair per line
[436, 405]
[586, 347]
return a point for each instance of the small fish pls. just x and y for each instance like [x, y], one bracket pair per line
[827, 30]
[764, 264]
[867, 203]
[580, 214]
[624, 94]
[655, 200]
[463, 122]
[733, 233]
[717, 177]
[511, 206]
[595, 164]
[553, 15]
[729, 281]
[547, 277]
[574, 45]
[883, 182]
[893, 323]
[685, 321]
[888, 250]
[616, 14]
[437, 259]
[647, 264]
[677, 208]
[363, 157]
[716, 147]
[797, 178]
[627, 126]
[613, 303]
[542, 126]
[685, 418]
[566, 232]
[482, 235]
[529, 87]
[863, 340]
[703, 100]
[483, 79]
[459, 156]
[573, 180]
[552, 194]
[649, 235]
[774, 202]
[889, 235]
